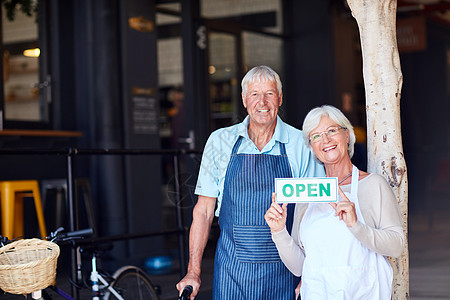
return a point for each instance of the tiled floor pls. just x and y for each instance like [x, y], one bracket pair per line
[429, 257]
[429, 251]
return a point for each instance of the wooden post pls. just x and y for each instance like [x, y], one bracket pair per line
[383, 82]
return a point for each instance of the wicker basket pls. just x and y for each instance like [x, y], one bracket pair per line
[28, 265]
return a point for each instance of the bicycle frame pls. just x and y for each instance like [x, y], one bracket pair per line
[100, 287]
[96, 277]
[36, 295]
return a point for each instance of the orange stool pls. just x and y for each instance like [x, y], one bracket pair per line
[12, 194]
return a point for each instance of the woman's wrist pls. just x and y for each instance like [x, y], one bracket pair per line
[276, 230]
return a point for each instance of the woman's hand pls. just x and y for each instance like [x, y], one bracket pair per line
[345, 209]
[276, 216]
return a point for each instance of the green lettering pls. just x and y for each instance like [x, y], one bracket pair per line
[312, 188]
[300, 188]
[323, 190]
[291, 190]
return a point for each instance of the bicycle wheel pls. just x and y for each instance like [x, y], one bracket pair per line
[132, 283]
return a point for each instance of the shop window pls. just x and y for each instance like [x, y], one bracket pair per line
[26, 91]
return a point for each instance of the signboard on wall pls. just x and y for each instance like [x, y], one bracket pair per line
[144, 111]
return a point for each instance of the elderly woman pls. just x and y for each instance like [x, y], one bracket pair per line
[340, 249]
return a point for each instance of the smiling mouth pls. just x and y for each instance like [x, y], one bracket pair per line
[263, 110]
[329, 148]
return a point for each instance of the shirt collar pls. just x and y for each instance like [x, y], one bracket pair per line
[281, 134]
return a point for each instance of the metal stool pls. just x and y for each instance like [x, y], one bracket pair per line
[60, 186]
[12, 194]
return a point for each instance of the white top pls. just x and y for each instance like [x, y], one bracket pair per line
[382, 233]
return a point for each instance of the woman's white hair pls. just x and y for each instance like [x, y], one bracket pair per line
[261, 74]
[313, 118]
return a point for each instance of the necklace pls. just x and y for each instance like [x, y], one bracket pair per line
[345, 178]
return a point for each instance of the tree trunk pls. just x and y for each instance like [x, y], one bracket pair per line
[383, 82]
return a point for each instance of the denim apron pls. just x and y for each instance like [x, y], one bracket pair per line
[337, 266]
[247, 264]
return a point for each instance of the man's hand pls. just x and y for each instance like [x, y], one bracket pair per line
[202, 218]
[192, 280]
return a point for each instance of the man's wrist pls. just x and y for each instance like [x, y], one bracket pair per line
[195, 271]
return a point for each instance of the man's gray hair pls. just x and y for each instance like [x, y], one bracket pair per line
[312, 120]
[261, 74]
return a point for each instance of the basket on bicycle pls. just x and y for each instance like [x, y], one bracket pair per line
[28, 265]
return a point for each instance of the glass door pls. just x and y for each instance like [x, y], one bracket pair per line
[224, 79]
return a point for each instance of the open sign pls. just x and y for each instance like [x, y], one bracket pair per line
[305, 190]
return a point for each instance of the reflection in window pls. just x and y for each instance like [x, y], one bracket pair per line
[21, 68]
[20, 86]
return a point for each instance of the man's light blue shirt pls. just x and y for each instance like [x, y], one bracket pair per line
[216, 156]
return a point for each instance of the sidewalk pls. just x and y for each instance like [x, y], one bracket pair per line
[429, 252]
[429, 256]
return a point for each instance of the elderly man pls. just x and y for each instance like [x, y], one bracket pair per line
[237, 173]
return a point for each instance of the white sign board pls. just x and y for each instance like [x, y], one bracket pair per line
[305, 190]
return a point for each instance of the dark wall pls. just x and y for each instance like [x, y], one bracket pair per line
[309, 59]
[139, 86]
[425, 107]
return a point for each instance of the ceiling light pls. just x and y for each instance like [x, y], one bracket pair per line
[32, 52]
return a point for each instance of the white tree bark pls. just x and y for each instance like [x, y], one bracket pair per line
[383, 82]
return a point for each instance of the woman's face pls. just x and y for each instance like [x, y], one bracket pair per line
[329, 148]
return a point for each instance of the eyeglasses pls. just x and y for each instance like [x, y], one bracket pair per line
[316, 137]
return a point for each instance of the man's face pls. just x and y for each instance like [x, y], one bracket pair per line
[262, 102]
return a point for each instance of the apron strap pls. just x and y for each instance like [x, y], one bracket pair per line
[282, 149]
[355, 180]
[354, 194]
[236, 145]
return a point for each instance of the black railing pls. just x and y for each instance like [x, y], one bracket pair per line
[70, 153]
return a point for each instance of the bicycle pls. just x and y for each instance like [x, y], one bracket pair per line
[127, 283]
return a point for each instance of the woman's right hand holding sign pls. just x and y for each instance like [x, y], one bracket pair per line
[276, 216]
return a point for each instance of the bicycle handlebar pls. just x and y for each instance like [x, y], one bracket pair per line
[80, 233]
[187, 291]
[3, 240]
[60, 236]
[57, 236]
